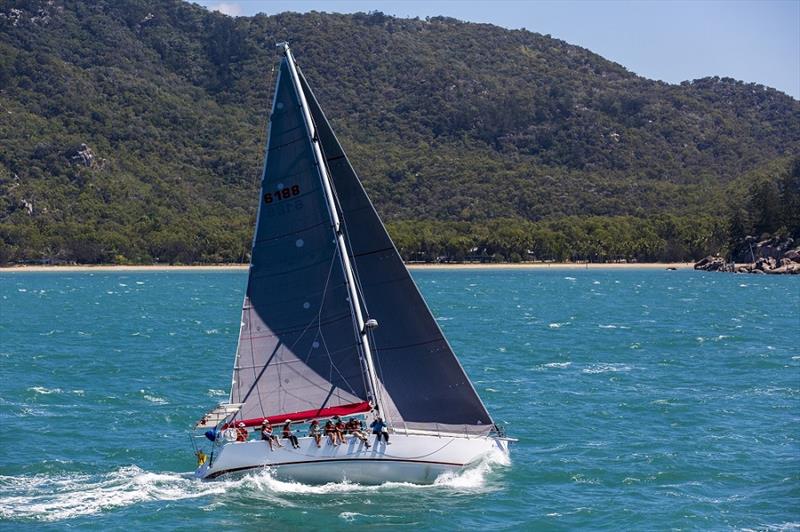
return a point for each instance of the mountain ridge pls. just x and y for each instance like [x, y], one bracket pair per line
[444, 120]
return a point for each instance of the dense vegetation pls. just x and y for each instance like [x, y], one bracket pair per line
[766, 204]
[473, 141]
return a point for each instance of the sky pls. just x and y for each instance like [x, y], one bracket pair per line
[668, 40]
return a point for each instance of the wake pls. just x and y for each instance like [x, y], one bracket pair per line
[68, 496]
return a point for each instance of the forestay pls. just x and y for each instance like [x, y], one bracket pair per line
[298, 349]
[423, 385]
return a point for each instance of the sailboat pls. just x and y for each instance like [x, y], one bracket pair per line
[334, 327]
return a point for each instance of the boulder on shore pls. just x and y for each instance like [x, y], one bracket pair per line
[713, 263]
[787, 261]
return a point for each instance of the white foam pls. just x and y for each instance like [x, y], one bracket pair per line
[557, 365]
[55, 498]
[45, 391]
[153, 398]
[351, 516]
[473, 478]
[62, 497]
[606, 368]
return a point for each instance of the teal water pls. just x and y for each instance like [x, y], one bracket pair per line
[642, 400]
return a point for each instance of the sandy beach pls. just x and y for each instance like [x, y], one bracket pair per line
[413, 266]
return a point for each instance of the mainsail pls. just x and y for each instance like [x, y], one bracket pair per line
[298, 349]
[423, 385]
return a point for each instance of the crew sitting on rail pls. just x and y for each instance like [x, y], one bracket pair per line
[268, 436]
[354, 427]
[333, 435]
[241, 432]
[379, 427]
[340, 427]
[314, 432]
[289, 434]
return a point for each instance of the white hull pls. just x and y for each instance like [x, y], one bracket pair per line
[418, 459]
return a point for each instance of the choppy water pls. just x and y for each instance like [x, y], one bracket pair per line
[642, 399]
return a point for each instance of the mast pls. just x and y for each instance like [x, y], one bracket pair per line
[372, 379]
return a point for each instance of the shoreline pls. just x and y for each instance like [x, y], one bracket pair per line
[412, 266]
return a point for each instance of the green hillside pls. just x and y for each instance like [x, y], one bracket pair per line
[490, 141]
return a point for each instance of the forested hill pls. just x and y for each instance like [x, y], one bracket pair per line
[133, 130]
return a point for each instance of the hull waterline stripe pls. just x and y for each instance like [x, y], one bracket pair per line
[239, 469]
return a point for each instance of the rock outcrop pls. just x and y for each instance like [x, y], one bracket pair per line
[83, 155]
[771, 256]
[714, 263]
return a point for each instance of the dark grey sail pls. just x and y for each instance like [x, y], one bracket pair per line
[298, 349]
[424, 386]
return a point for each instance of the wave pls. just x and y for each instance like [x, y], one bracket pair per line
[45, 391]
[69, 496]
[153, 398]
[59, 497]
[473, 478]
[559, 365]
[606, 368]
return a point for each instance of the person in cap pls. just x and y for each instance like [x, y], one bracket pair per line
[268, 436]
[289, 434]
[241, 432]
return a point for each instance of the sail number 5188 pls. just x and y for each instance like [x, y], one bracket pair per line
[282, 194]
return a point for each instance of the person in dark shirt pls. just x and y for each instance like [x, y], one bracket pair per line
[379, 428]
[289, 434]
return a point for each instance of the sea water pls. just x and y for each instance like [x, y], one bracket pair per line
[641, 400]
